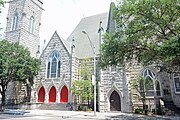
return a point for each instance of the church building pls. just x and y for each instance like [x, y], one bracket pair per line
[60, 62]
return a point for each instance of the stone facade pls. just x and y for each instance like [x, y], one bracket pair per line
[115, 91]
[23, 10]
[18, 30]
[55, 44]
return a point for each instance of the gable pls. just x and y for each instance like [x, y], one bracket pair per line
[56, 44]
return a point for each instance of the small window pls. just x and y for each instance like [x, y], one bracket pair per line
[31, 24]
[166, 92]
[14, 24]
[177, 83]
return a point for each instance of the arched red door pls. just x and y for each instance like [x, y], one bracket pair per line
[41, 94]
[64, 94]
[52, 94]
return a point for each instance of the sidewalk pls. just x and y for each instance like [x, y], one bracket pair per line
[78, 115]
[99, 115]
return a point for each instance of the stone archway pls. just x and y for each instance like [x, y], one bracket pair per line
[64, 94]
[52, 94]
[115, 102]
[41, 94]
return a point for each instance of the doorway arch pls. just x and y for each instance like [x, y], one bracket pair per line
[64, 94]
[52, 94]
[41, 94]
[115, 101]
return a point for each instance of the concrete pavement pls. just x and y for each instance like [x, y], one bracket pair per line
[80, 115]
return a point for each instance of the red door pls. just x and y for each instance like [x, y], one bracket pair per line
[41, 95]
[52, 94]
[64, 94]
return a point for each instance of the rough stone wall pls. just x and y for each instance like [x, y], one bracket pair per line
[110, 80]
[14, 5]
[165, 86]
[54, 44]
[25, 9]
[75, 68]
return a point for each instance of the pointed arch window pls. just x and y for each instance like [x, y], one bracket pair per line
[54, 65]
[31, 24]
[150, 84]
[15, 19]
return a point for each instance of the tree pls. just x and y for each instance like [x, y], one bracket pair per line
[16, 64]
[147, 31]
[1, 4]
[142, 85]
[83, 87]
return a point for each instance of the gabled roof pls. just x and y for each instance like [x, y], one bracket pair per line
[91, 25]
[65, 43]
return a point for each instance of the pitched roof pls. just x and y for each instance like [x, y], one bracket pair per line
[64, 42]
[91, 25]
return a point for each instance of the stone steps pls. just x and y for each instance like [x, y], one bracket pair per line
[53, 106]
[40, 106]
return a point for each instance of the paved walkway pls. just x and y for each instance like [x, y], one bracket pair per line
[79, 115]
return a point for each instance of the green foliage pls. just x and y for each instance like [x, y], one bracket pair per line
[85, 71]
[147, 31]
[16, 64]
[1, 4]
[83, 88]
[139, 111]
[157, 111]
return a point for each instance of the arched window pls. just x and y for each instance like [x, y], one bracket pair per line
[151, 85]
[14, 24]
[31, 24]
[54, 65]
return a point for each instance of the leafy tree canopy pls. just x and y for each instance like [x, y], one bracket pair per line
[147, 31]
[16, 64]
[83, 88]
[1, 4]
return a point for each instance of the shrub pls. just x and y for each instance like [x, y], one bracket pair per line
[139, 110]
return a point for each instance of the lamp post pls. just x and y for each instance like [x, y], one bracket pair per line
[70, 81]
[94, 73]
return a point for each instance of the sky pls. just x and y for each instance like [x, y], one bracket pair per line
[64, 15]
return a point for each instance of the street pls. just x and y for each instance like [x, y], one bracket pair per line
[80, 115]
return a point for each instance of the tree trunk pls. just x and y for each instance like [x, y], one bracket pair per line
[88, 102]
[28, 89]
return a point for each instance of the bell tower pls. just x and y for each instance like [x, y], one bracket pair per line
[23, 23]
